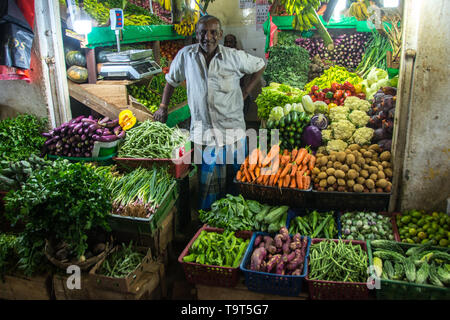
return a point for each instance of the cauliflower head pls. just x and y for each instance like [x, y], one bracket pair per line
[355, 103]
[336, 145]
[339, 113]
[343, 129]
[363, 135]
[359, 118]
[327, 135]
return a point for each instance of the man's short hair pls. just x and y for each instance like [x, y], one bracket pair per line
[206, 18]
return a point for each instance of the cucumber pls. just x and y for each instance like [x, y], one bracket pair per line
[275, 214]
[389, 269]
[434, 279]
[399, 271]
[260, 216]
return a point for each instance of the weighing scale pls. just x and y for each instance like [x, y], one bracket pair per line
[130, 64]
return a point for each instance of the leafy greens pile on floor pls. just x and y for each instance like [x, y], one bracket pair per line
[63, 202]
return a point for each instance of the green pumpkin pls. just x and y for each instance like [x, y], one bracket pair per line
[77, 74]
[75, 58]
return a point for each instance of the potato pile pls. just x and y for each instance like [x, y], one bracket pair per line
[357, 169]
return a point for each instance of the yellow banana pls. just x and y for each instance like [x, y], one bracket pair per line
[364, 10]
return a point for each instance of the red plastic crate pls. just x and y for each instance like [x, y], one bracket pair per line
[210, 275]
[337, 290]
[178, 168]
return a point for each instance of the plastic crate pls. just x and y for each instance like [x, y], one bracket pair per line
[210, 275]
[291, 197]
[177, 167]
[335, 200]
[145, 226]
[338, 290]
[402, 290]
[264, 282]
[384, 213]
[302, 212]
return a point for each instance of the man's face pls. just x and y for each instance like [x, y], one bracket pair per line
[209, 34]
[229, 42]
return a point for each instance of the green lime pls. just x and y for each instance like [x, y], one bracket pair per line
[416, 214]
[421, 222]
[414, 220]
[422, 235]
[409, 240]
[416, 239]
[435, 215]
[424, 241]
[406, 219]
[412, 232]
[443, 242]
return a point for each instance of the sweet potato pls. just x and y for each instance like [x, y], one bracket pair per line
[278, 240]
[258, 240]
[286, 245]
[273, 262]
[294, 263]
[280, 268]
[287, 258]
[284, 233]
[296, 272]
[257, 258]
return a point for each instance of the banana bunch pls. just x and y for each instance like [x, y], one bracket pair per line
[304, 12]
[184, 28]
[358, 9]
[166, 4]
[97, 11]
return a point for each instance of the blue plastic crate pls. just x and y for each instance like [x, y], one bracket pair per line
[292, 213]
[264, 282]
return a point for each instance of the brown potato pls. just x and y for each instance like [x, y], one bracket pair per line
[322, 175]
[339, 174]
[381, 175]
[341, 189]
[331, 189]
[332, 157]
[358, 188]
[331, 180]
[341, 182]
[386, 164]
[322, 161]
[354, 146]
[340, 156]
[315, 171]
[373, 169]
[379, 190]
[364, 173]
[352, 174]
[374, 163]
[355, 167]
[388, 172]
[385, 156]
[373, 176]
[323, 183]
[330, 171]
[380, 167]
[367, 154]
[370, 184]
[337, 165]
[382, 183]
[350, 159]
[350, 183]
[344, 168]
[360, 161]
[375, 147]
[360, 180]
[330, 164]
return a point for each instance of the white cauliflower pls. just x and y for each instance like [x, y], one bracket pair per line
[355, 103]
[343, 129]
[359, 118]
[336, 145]
[362, 136]
[327, 135]
[339, 113]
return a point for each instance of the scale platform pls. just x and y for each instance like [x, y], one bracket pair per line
[129, 55]
[132, 70]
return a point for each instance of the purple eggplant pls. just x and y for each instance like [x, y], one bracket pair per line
[121, 135]
[99, 132]
[91, 121]
[51, 140]
[108, 138]
[103, 121]
[117, 130]
[47, 134]
[112, 123]
[106, 132]
[93, 127]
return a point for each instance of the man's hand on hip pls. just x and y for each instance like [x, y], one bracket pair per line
[161, 114]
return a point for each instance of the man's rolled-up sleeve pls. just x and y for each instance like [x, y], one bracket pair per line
[176, 73]
[249, 64]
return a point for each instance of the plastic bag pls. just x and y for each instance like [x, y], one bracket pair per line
[16, 37]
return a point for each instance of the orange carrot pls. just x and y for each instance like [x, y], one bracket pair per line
[294, 169]
[306, 158]
[277, 175]
[260, 179]
[252, 174]
[266, 179]
[312, 162]
[247, 175]
[298, 176]
[306, 182]
[300, 155]
[294, 154]
[239, 175]
[253, 159]
[257, 172]
[274, 151]
[243, 179]
[261, 157]
[286, 181]
[293, 183]
[286, 170]
[280, 182]
[285, 152]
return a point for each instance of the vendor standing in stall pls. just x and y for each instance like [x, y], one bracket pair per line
[212, 73]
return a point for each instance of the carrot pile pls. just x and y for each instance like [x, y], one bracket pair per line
[287, 169]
